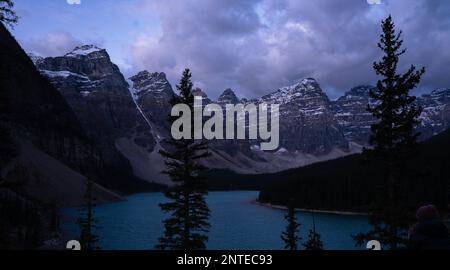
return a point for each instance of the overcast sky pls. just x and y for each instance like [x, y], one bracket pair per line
[252, 46]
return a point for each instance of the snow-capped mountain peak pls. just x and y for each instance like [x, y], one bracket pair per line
[305, 89]
[228, 97]
[309, 82]
[155, 82]
[85, 50]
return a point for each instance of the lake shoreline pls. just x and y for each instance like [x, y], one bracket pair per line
[332, 212]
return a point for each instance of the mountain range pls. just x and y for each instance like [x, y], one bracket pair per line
[127, 118]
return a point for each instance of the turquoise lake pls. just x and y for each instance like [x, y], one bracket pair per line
[236, 223]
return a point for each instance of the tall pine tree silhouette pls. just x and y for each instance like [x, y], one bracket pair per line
[87, 222]
[291, 236]
[393, 140]
[188, 225]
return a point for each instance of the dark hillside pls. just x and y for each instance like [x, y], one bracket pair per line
[32, 110]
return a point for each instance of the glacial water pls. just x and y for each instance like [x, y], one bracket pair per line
[236, 223]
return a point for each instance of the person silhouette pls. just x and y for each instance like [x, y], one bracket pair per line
[430, 231]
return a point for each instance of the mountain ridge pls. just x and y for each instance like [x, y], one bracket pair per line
[49, 141]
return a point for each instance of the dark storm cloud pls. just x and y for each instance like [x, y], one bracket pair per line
[257, 46]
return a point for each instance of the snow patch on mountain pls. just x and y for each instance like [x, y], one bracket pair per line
[63, 74]
[34, 57]
[84, 51]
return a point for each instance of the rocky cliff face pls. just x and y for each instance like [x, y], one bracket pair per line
[313, 128]
[97, 92]
[153, 94]
[99, 95]
[435, 117]
[351, 113]
[307, 123]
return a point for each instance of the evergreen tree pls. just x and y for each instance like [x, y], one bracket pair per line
[187, 227]
[290, 236]
[7, 14]
[393, 140]
[314, 242]
[87, 222]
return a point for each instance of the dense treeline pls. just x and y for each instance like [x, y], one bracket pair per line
[350, 183]
[226, 180]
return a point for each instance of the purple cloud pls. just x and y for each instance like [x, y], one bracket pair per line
[61, 43]
[257, 46]
[252, 46]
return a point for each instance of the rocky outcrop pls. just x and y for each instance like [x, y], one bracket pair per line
[435, 117]
[351, 113]
[153, 94]
[307, 123]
